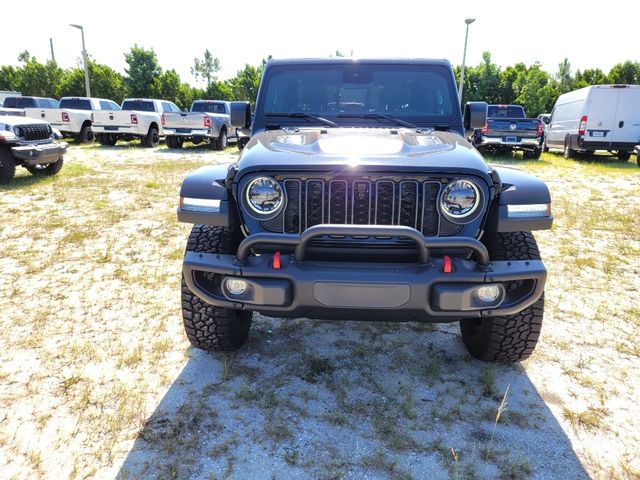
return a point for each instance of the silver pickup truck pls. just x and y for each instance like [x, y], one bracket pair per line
[208, 120]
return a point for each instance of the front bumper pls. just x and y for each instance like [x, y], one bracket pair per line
[39, 154]
[384, 291]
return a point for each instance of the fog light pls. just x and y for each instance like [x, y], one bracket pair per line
[488, 293]
[235, 286]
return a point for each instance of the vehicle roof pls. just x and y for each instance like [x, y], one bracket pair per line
[85, 98]
[349, 60]
[583, 93]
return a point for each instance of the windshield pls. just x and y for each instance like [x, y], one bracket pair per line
[140, 105]
[346, 93]
[209, 107]
[75, 103]
[505, 111]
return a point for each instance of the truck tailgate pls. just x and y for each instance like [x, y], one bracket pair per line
[520, 127]
[185, 121]
[112, 118]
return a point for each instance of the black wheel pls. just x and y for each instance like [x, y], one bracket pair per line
[532, 154]
[568, 151]
[545, 147]
[85, 135]
[213, 144]
[152, 139]
[172, 142]
[7, 166]
[208, 327]
[242, 142]
[624, 156]
[48, 169]
[510, 338]
[107, 139]
[221, 142]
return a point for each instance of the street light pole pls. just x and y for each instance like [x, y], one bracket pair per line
[468, 21]
[84, 60]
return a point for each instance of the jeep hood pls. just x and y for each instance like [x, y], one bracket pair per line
[371, 149]
[14, 121]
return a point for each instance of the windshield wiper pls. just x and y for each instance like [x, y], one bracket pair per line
[377, 116]
[306, 116]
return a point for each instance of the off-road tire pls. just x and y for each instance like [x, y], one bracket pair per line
[152, 139]
[208, 327]
[510, 338]
[623, 155]
[173, 142]
[86, 135]
[107, 139]
[545, 147]
[221, 142]
[7, 166]
[532, 154]
[47, 170]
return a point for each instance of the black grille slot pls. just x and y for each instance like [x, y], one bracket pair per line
[408, 204]
[315, 202]
[338, 201]
[34, 132]
[293, 212]
[385, 197]
[430, 217]
[362, 201]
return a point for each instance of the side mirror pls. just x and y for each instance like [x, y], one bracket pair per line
[240, 114]
[475, 115]
[546, 120]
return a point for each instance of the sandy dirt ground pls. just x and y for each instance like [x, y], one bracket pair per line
[98, 381]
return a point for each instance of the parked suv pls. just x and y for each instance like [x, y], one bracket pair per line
[358, 197]
[30, 143]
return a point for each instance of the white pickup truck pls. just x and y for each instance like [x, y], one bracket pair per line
[208, 120]
[139, 118]
[72, 116]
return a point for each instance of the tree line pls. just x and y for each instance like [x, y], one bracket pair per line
[529, 86]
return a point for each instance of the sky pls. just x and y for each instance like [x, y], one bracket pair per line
[590, 36]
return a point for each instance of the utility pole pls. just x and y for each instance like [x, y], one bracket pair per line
[53, 55]
[468, 21]
[84, 60]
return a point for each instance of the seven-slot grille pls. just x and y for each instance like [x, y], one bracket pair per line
[360, 201]
[34, 132]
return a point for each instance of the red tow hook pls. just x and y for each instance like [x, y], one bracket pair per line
[276, 261]
[446, 264]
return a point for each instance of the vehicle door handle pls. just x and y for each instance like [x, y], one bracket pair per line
[621, 124]
[42, 115]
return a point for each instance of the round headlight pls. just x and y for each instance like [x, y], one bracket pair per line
[264, 195]
[460, 198]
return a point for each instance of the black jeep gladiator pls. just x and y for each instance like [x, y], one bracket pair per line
[358, 197]
[508, 129]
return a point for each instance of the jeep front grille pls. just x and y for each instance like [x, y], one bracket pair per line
[34, 132]
[409, 202]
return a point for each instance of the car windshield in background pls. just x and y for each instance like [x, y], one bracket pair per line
[345, 92]
[496, 111]
[140, 105]
[75, 103]
[209, 107]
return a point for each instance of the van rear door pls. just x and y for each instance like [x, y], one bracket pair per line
[601, 114]
[626, 126]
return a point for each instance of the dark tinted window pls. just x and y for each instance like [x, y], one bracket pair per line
[20, 102]
[140, 105]
[76, 103]
[505, 111]
[209, 107]
[416, 93]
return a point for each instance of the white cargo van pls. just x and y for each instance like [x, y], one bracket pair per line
[599, 117]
